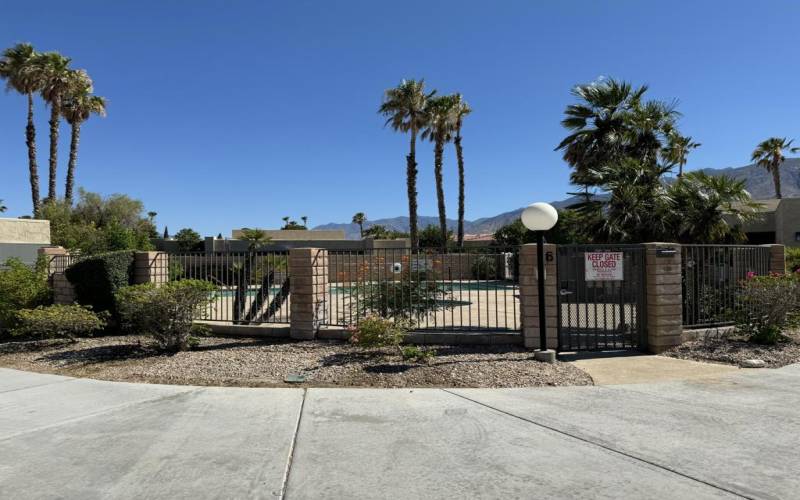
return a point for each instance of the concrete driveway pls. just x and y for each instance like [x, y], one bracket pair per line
[731, 436]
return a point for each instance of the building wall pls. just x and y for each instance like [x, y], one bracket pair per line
[787, 222]
[22, 238]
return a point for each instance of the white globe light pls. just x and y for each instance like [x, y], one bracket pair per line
[539, 217]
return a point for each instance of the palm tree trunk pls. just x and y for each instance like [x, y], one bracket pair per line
[460, 156]
[411, 180]
[55, 111]
[30, 141]
[776, 179]
[680, 169]
[361, 229]
[73, 160]
[438, 153]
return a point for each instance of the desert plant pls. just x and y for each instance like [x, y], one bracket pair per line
[21, 287]
[417, 354]
[484, 267]
[96, 279]
[375, 331]
[411, 297]
[58, 321]
[165, 312]
[768, 306]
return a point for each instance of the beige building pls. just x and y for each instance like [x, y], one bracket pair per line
[295, 234]
[22, 238]
[778, 222]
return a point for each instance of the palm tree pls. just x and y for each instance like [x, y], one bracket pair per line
[78, 105]
[405, 109]
[678, 148]
[769, 155]
[3, 208]
[56, 82]
[359, 218]
[17, 68]
[598, 126]
[304, 218]
[439, 130]
[459, 111]
[285, 221]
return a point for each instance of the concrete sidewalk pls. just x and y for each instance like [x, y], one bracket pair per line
[729, 436]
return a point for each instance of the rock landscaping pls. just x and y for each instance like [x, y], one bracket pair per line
[738, 351]
[268, 363]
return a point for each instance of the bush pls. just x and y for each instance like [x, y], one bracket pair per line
[374, 331]
[793, 259]
[412, 297]
[21, 287]
[484, 267]
[165, 312]
[769, 304]
[59, 321]
[417, 354]
[96, 279]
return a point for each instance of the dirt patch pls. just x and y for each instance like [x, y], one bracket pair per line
[733, 350]
[266, 363]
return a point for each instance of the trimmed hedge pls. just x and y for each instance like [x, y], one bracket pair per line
[96, 279]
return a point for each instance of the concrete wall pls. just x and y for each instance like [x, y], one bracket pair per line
[787, 222]
[22, 238]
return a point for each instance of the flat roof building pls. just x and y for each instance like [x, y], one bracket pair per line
[778, 222]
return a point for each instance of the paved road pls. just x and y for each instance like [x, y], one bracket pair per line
[729, 437]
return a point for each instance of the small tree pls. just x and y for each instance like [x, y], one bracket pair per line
[166, 233]
[188, 239]
[255, 237]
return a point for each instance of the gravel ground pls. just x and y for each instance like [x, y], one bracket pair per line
[265, 363]
[732, 350]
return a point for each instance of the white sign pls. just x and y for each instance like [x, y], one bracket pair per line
[603, 266]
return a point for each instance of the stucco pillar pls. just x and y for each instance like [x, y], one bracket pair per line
[529, 295]
[308, 275]
[664, 296]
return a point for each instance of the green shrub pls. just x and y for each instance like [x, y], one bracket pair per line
[96, 279]
[21, 287]
[412, 297]
[165, 312]
[769, 305]
[417, 354]
[58, 321]
[374, 331]
[793, 259]
[484, 267]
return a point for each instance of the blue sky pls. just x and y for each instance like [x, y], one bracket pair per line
[230, 114]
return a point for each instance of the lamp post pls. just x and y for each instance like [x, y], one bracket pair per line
[541, 217]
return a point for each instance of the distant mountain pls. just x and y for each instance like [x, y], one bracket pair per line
[758, 180]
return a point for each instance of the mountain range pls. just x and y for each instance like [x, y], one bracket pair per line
[758, 182]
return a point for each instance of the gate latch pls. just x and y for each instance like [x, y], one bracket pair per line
[565, 292]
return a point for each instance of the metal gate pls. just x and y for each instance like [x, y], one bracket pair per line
[601, 297]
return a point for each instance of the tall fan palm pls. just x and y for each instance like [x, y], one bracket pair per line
[406, 111]
[459, 111]
[78, 105]
[360, 218]
[439, 130]
[677, 149]
[17, 69]
[769, 155]
[3, 208]
[598, 125]
[56, 77]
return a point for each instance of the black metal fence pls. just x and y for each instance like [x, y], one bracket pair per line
[60, 263]
[252, 287]
[711, 278]
[474, 289]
